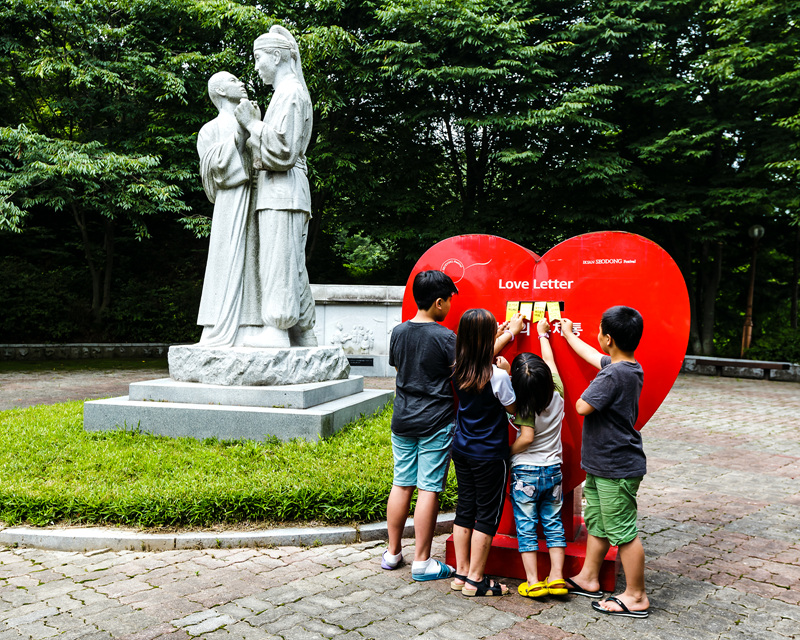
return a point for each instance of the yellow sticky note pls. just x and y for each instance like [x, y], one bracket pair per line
[526, 309]
[538, 311]
[554, 311]
[511, 309]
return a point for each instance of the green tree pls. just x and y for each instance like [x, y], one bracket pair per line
[489, 83]
[692, 161]
[758, 66]
[101, 102]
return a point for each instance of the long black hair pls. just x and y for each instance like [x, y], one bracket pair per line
[533, 384]
[474, 350]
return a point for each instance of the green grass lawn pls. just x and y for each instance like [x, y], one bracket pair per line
[52, 471]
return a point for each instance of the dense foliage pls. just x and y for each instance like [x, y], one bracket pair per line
[536, 121]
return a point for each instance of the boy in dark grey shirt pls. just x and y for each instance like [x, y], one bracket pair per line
[613, 458]
[423, 352]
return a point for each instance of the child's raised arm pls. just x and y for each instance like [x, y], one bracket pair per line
[592, 356]
[543, 329]
[507, 332]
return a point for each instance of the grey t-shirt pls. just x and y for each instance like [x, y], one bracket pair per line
[611, 447]
[423, 353]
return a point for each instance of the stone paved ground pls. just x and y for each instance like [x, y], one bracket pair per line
[28, 388]
[720, 520]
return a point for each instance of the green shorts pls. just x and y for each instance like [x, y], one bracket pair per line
[610, 511]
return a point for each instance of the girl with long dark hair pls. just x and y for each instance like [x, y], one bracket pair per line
[480, 449]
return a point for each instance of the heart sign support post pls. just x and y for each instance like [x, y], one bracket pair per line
[577, 279]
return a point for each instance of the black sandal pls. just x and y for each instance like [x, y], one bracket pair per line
[454, 585]
[485, 587]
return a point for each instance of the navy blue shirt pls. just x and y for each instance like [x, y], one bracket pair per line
[482, 421]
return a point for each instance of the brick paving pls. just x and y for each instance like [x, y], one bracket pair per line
[719, 518]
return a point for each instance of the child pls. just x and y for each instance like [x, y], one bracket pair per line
[423, 352]
[536, 464]
[480, 448]
[613, 458]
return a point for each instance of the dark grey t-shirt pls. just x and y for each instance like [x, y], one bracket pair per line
[423, 353]
[611, 447]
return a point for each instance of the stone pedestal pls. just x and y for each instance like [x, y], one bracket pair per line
[246, 366]
[242, 393]
[197, 410]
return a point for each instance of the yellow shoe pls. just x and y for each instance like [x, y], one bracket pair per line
[557, 587]
[533, 591]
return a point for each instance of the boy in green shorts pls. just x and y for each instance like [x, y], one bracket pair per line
[613, 458]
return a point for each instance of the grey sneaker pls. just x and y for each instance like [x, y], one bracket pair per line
[389, 566]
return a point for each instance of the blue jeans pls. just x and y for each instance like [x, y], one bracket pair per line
[536, 493]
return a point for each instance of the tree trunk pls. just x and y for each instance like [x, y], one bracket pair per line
[711, 274]
[80, 220]
[315, 224]
[452, 154]
[471, 173]
[682, 253]
[795, 279]
[108, 245]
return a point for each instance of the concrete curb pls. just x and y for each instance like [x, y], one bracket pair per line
[103, 539]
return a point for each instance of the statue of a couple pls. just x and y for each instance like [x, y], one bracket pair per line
[256, 291]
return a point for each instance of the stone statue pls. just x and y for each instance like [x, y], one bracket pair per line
[230, 293]
[282, 201]
[256, 291]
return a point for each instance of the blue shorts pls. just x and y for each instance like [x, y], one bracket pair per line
[536, 496]
[423, 462]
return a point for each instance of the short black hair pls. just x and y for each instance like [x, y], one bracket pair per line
[533, 384]
[625, 325]
[429, 286]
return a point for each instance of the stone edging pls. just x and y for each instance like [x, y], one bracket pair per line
[697, 365]
[83, 351]
[105, 539]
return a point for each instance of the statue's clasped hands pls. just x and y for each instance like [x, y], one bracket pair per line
[246, 112]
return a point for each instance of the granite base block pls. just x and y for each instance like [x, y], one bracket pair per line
[296, 396]
[790, 375]
[743, 372]
[247, 366]
[202, 421]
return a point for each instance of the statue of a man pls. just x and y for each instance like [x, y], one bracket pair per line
[230, 295]
[283, 201]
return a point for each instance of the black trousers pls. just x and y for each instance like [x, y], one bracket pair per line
[481, 492]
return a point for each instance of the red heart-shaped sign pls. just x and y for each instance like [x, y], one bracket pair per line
[588, 274]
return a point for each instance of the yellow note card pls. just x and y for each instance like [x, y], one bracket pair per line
[538, 311]
[511, 309]
[526, 309]
[554, 311]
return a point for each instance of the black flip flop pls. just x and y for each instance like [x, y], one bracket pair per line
[577, 590]
[625, 611]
